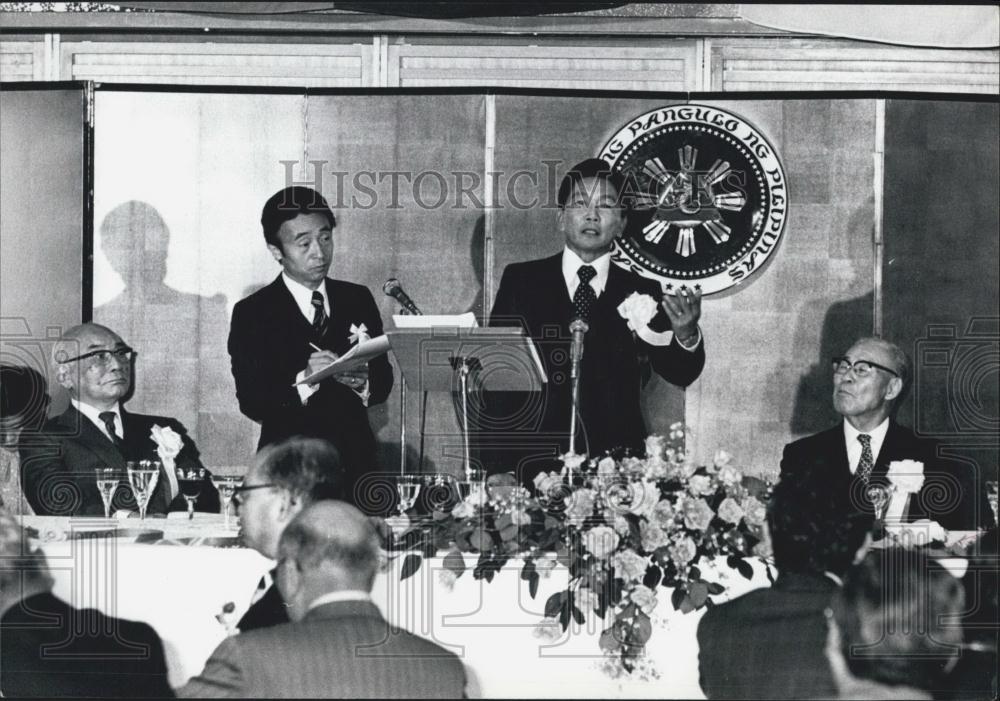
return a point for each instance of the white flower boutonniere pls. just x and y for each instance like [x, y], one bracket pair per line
[906, 475]
[168, 442]
[359, 334]
[638, 310]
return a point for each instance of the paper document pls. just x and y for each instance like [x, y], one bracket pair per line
[426, 321]
[354, 358]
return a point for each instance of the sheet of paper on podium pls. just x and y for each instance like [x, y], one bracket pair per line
[500, 358]
[359, 354]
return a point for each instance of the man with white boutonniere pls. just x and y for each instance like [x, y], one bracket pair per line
[299, 324]
[59, 463]
[630, 325]
[890, 473]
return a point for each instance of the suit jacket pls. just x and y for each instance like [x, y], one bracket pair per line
[339, 650]
[58, 463]
[269, 345]
[768, 643]
[533, 295]
[950, 494]
[268, 610]
[50, 649]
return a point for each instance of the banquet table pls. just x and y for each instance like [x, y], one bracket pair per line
[182, 574]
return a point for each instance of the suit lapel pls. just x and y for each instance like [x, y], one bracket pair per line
[139, 445]
[92, 438]
[286, 311]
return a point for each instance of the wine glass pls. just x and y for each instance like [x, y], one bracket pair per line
[226, 486]
[107, 484]
[991, 495]
[142, 477]
[408, 487]
[190, 486]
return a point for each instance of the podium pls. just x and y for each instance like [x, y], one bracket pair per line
[445, 359]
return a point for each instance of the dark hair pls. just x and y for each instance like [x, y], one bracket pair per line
[590, 168]
[898, 617]
[23, 397]
[309, 468]
[285, 205]
[811, 531]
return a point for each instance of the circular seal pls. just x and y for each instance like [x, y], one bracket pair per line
[708, 193]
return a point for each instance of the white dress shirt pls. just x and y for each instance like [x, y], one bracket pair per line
[303, 297]
[854, 445]
[94, 414]
[337, 596]
[571, 263]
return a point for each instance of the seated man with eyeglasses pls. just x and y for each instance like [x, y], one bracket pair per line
[58, 464]
[854, 456]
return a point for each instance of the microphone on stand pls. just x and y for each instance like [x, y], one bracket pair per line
[395, 290]
[577, 327]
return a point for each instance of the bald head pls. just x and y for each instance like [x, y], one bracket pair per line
[93, 364]
[330, 546]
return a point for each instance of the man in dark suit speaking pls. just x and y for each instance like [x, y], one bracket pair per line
[58, 464]
[522, 433]
[853, 457]
[338, 645]
[276, 331]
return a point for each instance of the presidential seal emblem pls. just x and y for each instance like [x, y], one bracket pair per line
[708, 196]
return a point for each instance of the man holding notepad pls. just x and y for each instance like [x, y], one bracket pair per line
[299, 324]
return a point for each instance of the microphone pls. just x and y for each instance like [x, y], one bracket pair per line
[577, 327]
[395, 290]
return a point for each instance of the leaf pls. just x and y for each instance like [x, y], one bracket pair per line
[744, 568]
[533, 584]
[564, 617]
[677, 597]
[578, 615]
[480, 540]
[642, 629]
[554, 604]
[687, 605]
[410, 565]
[715, 588]
[455, 563]
[694, 572]
[653, 576]
[698, 594]
[609, 641]
[528, 569]
[509, 533]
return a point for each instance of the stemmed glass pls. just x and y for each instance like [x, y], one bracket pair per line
[107, 484]
[226, 486]
[142, 477]
[991, 495]
[190, 485]
[408, 487]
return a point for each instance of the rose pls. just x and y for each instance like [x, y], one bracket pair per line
[645, 497]
[655, 446]
[697, 514]
[548, 629]
[630, 564]
[683, 551]
[687, 468]
[465, 509]
[633, 466]
[447, 578]
[643, 597]
[607, 468]
[601, 541]
[906, 475]
[168, 442]
[637, 310]
[722, 458]
[700, 485]
[656, 469]
[652, 537]
[572, 461]
[663, 514]
[730, 476]
[621, 525]
[520, 517]
[544, 564]
[580, 507]
[586, 599]
[730, 511]
[754, 511]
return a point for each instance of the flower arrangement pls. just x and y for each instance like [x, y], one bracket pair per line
[627, 529]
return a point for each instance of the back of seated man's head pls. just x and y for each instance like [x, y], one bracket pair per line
[23, 570]
[812, 531]
[285, 478]
[330, 546]
[898, 616]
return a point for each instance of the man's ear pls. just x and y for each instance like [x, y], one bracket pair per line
[276, 252]
[894, 388]
[290, 506]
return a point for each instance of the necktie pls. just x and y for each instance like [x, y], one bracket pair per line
[319, 316]
[584, 297]
[867, 461]
[108, 417]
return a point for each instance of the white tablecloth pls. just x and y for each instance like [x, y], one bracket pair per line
[179, 590]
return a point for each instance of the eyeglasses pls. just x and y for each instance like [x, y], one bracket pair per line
[244, 488]
[862, 368]
[103, 357]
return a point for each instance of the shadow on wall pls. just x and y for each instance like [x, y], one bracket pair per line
[182, 363]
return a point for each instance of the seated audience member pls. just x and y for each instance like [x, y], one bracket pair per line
[868, 382]
[23, 403]
[338, 645]
[58, 465]
[769, 643]
[50, 649]
[285, 478]
[895, 627]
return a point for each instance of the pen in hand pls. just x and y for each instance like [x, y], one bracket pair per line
[316, 348]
